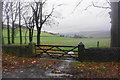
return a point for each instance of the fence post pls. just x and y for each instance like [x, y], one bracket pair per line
[98, 44]
[32, 48]
[81, 51]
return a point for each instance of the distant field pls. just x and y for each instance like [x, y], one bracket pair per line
[50, 39]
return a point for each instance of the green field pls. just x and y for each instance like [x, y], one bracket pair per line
[50, 39]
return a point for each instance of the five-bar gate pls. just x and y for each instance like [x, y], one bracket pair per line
[56, 50]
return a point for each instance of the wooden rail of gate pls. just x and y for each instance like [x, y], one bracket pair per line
[56, 49]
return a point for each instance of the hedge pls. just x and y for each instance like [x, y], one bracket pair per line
[19, 50]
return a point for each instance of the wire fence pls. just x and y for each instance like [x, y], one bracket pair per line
[57, 40]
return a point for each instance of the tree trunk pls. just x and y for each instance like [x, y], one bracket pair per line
[20, 25]
[30, 35]
[39, 29]
[2, 34]
[13, 32]
[8, 30]
[119, 24]
[33, 28]
[115, 20]
[26, 36]
[38, 35]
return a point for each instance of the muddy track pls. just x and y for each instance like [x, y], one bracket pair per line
[34, 71]
[59, 71]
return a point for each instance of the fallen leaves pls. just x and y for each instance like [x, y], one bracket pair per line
[97, 69]
[81, 69]
[10, 62]
[33, 62]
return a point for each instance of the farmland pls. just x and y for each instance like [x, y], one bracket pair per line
[50, 39]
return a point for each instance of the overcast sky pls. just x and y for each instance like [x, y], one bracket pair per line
[92, 19]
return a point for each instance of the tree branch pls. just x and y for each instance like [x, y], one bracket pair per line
[100, 6]
[28, 22]
[47, 16]
[108, 2]
[44, 2]
[16, 11]
[87, 7]
[77, 5]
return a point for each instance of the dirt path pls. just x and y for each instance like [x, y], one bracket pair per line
[34, 71]
[60, 70]
[29, 71]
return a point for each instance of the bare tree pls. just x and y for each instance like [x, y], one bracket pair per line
[1, 23]
[14, 13]
[29, 23]
[93, 3]
[20, 24]
[39, 17]
[6, 11]
[36, 18]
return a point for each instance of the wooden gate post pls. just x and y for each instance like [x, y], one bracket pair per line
[81, 51]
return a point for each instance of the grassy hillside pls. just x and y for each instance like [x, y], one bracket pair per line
[94, 34]
[23, 33]
[51, 39]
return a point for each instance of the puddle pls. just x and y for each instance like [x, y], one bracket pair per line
[57, 75]
[60, 70]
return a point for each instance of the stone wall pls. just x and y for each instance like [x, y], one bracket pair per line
[101, 54]
[19, 50]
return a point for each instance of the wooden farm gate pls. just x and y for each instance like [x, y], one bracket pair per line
[57, 50]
